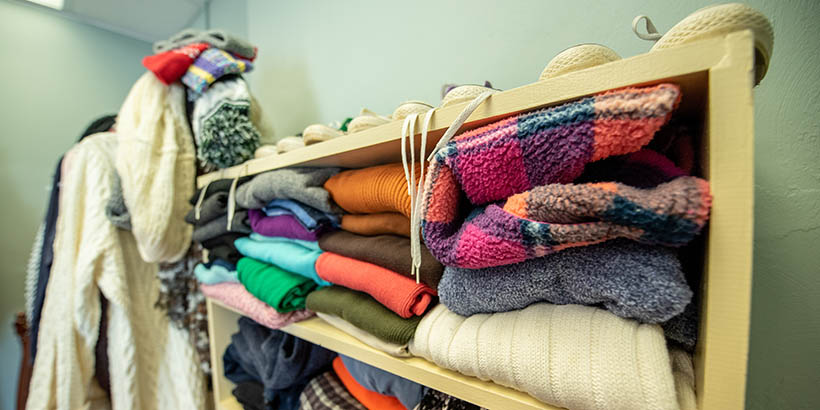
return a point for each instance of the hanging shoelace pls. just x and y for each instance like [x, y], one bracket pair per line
[414, 190]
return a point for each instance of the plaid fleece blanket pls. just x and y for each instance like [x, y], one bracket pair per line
[534, 154]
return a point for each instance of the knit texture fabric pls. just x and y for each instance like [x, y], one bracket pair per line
[554, 217]
[215, 37]
[285, 226]
[236, 296]
[211, 274]
[212, 207]
[292, 255]
[392, 349]
[219, 226]
[517, 154]
[388, 251]
[364, 312]
[155, 162]
[326, 392]
[377, 224]
[628, 279]
[377, 380]
[436, 400]
[93, 256]
[370, 399]
[300, 184]
[282, 290]
[225, 135]
[168, 66]
[571, 356]
[284, 362]
[211, 65]
[382, 188]
[396, 292]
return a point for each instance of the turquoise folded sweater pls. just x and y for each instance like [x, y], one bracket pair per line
[292, 255]
[214, 274]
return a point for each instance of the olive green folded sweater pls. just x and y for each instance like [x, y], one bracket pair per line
[282, 290]
[364, 312]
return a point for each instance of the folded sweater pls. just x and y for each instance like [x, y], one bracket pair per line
[390, 348]
[377, 380]
[282, 290]
[370, 399]
[326, 392]
[310, 217]
[292, 255]
[286, 226]
[382, 188]
[219, 226]
[514, 155]
[236, 296]
[211, 274]
[570, 356]
[388, 251]
[300, 184]
[554, 217]
[377, 224]
[398, 293]
[629, 279]
[364, 312]
[214, 206]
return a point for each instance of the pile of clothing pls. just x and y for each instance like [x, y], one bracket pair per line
[225, 118]
[275, 370]
[550, 238]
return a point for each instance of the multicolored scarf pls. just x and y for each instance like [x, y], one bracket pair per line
[552, 146]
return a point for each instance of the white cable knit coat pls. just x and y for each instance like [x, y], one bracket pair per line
[155, 161]
[573, 356]
[152, 363]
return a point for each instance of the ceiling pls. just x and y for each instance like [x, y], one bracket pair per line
[148, 20]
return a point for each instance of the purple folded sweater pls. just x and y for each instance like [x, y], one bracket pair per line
[287, 226]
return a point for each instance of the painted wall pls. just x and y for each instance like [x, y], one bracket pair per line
[57, 76]
[320, 61]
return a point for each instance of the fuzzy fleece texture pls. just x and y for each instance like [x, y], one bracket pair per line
[155, 162]
[397, 292]
[555, 217]
[300, 184]
[629, 279]
[236, 296]
[364, 312]
[571, 356]
[522, 152]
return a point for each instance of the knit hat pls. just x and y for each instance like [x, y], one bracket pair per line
[225, 135]
[519, 153]
[216, 37]
[211, 65]
[155, 162]
[571, 356]
[170, 65]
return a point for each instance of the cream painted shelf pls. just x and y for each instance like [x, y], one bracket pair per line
[716, 79]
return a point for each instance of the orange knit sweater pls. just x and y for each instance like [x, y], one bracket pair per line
[370, 399]
[382, 188]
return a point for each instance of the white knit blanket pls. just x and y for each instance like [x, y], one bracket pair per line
[572, 356]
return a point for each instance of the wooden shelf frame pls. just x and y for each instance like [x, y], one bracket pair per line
[716, 76]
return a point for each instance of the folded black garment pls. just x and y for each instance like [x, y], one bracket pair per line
[250, 395]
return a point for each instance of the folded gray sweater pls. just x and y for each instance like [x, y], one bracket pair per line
[219, 226]
[627, 278]
[305, 185]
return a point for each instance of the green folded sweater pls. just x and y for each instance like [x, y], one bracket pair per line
[282, 290]
[364, 312]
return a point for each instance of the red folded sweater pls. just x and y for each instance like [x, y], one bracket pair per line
[397, 292]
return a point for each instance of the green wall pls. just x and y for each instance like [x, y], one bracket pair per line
[57, 76]
[321, 61]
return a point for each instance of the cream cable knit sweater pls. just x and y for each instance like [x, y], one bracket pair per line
[155, 161]
[572, 356]
[153, 364]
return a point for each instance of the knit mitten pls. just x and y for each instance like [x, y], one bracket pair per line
[212, 64]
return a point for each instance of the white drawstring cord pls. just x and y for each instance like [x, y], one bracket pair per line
[416, 191]
[201, 199]
[232, 195]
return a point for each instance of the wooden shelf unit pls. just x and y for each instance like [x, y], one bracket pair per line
[716, 77]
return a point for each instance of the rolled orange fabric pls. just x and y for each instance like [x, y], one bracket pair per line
[377, 224]
[371, 190]
[396, 292]
[370, 399]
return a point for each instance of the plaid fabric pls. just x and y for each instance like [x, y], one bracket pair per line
[326, 392]
[436, 400]
[517, 154]
[212, 64]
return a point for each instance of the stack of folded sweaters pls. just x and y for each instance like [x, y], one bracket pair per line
[551, 239]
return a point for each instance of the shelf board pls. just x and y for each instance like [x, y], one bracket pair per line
[229, 403]
[482, 393]
[382, 144]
